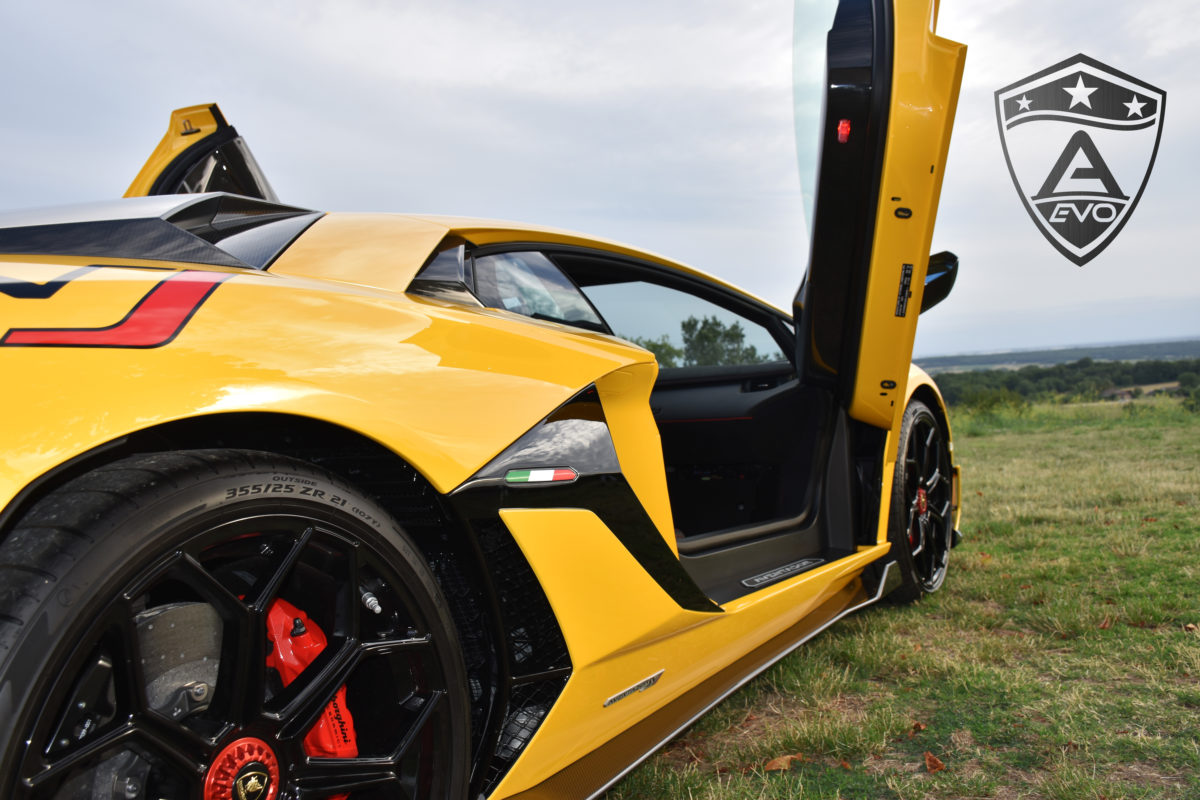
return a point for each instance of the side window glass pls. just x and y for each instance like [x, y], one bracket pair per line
[529, 284]
[682, 330]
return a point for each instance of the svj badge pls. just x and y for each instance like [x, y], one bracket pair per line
[1080, 140]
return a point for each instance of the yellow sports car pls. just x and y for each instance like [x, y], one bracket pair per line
[299, 506]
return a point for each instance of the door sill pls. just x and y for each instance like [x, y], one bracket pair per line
[691, 545]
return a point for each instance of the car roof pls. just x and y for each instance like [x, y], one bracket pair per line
[213, 229]
[161, 206]
[216, 229]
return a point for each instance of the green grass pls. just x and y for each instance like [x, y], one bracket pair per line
[1057, 662]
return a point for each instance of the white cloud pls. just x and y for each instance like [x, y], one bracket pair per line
[665, 124]
[1013, 286]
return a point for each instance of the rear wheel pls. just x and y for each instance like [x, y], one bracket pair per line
[922, 516]
[223, 625]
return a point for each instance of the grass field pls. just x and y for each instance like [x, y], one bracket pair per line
[1061, 659]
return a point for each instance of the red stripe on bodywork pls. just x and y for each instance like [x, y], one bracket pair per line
[155, 320]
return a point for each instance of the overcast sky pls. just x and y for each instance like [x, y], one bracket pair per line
[667, 125]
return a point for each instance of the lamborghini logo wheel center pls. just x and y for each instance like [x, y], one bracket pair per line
[246, 769]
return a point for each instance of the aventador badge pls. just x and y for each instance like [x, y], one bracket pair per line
[1080, 140]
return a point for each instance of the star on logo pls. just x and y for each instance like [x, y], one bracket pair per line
[1079, 93]
[1023, 103]
[1134, 106]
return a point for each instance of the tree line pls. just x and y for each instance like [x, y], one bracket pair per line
[1084, 379]
[707, 342]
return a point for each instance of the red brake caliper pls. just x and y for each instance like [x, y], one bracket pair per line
[922, 507]
[297, 641]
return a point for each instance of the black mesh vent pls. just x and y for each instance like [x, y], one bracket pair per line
[535, 646]
[535, 643]
[418, 507]
[405, 494]
[528, 706]
[477, 651]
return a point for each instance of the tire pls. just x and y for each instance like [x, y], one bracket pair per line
[142, 653]
[921, 522]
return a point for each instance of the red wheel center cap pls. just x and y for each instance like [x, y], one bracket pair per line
[246, 769]
[922, 501]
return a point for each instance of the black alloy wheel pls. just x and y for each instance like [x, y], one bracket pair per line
[921, 525]
[223, 625]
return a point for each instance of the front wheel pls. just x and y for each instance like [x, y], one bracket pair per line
[223, 625]
[921, 523]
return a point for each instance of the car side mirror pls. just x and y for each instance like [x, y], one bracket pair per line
[939, 280]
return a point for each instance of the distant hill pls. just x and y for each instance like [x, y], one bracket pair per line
[1015, 359]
